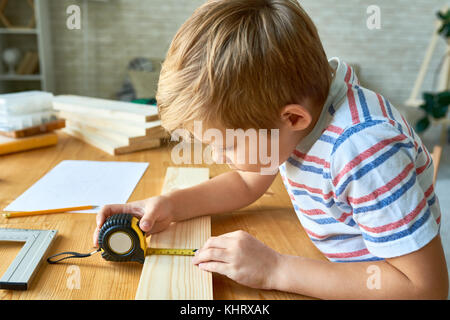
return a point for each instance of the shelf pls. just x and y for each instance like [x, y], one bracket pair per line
[17, 31]
[20, 77]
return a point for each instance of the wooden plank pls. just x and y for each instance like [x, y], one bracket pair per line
[109, 146]
[112, 109]
[131, 128]
[175, 277]
[11, 145]
[113, 133]
[31, 131]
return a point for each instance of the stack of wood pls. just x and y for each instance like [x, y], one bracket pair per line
[115, 127]
[27, 121]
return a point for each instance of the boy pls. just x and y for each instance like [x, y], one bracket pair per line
[359, 178]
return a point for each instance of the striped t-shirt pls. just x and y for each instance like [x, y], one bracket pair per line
[361, 181]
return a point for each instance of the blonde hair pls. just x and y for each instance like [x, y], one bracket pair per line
[236, 63]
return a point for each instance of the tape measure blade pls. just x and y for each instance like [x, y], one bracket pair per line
[167, 251]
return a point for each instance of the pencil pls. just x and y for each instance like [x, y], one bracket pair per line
[35, 213]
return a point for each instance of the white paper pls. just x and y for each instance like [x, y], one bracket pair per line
[74, 183]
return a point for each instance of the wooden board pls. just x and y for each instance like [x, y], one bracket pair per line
[11, 145]
[130, 128]
[111, 109]
[109, 146]
[175, 277]
[31, 131]
[113, 133]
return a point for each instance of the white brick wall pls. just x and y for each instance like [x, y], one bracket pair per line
[120, 30]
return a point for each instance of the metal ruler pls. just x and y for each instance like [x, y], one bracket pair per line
[21, 271]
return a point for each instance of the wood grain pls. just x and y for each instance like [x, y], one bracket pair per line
[111, 109]
[31, 131]
[11, 145]
[129, 128]
[271, 219]
[110, 146]
[175, 277]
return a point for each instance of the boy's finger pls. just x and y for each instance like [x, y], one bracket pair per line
[112, 209]
[147, 222]
[107, 211]
[218, 242]
[95, 237]
[211, 254]
[214, 266]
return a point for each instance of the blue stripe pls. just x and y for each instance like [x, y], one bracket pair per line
[431, 201]
[364, 106]
[388, 200]
[323, 220]
[338, 237]
[361, 260]
[317, 199]
[374, 164]
[400, 234]
[352, 130]
[319, 221]
[308, 168]
[389, 109]
[327, 138]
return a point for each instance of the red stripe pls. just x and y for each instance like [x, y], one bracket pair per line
[352, 104]
[416, 145]
[422, 168]
[312, 212]
[313, 159]
[344, 216]
[366, 154]
[429, 191]
[315, 212]
[382, 106]
[407, 126]
[378, 192]
[397, 224]
[326, 196]
[348, 74]
[315, 235]
[358, 253]
[334, 129]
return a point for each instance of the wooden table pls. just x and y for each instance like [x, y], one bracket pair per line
[271, 219]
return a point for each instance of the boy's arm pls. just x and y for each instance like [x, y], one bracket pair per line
[226, 192]
[419, 275]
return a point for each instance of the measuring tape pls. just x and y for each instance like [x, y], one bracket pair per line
[121, 240]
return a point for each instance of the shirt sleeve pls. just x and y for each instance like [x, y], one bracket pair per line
[375, 171]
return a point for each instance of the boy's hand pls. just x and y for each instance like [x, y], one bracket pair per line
[240, 257]
[155, 214]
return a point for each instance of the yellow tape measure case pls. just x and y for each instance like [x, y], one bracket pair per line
[121, 239]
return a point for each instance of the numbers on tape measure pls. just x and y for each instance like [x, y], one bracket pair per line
[163, 251]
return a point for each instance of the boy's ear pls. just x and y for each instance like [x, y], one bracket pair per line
[296, 117]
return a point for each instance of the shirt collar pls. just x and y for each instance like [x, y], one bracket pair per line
[336, 93]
